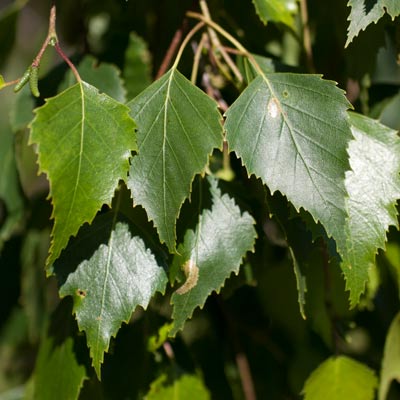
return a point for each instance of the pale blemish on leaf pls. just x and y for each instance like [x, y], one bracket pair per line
[191, 271]
[273, 107]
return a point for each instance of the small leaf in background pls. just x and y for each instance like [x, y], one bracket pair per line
[137, 66]
[222, 238]
[266, 64]
[373, 187]
[392, 255]
[301, 283]
[389, 114]
[292, 131]
[1, 82]
[105, 77]
[365, 12]
[57, 371]
[34, 285]
[109, 286]
[276, 11]
[8, 24]
[178, 128]
[391, 358]
[341, 378]
[22, 111]
[183, 388]
[12, 206]
[84, 143]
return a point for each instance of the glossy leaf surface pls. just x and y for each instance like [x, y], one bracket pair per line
[276, 11]
[365, 12]
[108, 287]
[212, 252]
[84, 141]
[178, 128]
[373, 187]
[291, 130]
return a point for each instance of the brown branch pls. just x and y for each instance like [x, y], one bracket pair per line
[241, 359]
[307, 36]
[172, 49]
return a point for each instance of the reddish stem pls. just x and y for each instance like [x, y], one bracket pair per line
[68, 61]
[176, 40]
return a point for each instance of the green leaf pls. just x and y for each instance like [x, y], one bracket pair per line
[292, 131]
[364, 13]
[105, 77]
[33, 282]
[373, 187]
[178, 128]
[185, 387]
[211, 253]
[391, 358]
[84, 143]
[341, 378]
[107, 288]
[301, 283]
[276, 11]
[8, 23]
[22, 111]
[137, 69]
[266, 64]
[57, 371]
[10, 191]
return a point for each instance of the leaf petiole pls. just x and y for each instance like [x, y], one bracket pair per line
[185, 42]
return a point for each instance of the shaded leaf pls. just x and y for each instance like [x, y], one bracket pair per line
[8, 22]
[185, 387]
[33, 281]
[109, 286]
[178, 128]
[137, 68]
[211, 253]
[301, 283]
[391, 358]
[105, 77]
[57, 371]
[340, 378]
[276, 11]
[266, 64]
[10, 192]
[392, 256]
[373, 187]
[84, 143]
[292, 131]
[365, 12]
[22, 111]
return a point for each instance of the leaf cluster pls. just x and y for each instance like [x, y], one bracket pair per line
[188, 209]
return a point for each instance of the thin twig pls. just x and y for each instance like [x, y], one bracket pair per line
[186, 41]
[307, 36]
[245, 376]
[196, 60]
[217, 44]
[176, 40]
[50, 38]
[68, 61]
[242, 362]
[229, 37]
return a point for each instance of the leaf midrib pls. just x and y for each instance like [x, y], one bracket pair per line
[82, 137]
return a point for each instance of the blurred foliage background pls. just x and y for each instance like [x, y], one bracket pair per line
[256, 319]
